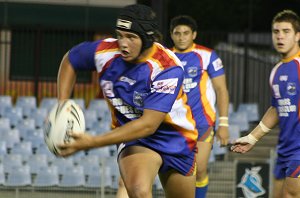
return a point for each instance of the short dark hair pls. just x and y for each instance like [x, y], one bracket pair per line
[183, 20]
[288, 16]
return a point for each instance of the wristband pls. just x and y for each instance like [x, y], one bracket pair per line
[223, 118]
[263, 127]
[252, 139]
[224, 124]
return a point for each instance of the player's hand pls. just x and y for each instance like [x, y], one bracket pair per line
[82, 141]
[222, 135]
[244, 144]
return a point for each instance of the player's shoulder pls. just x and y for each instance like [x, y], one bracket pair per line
[203, 48]
[107, 45]
[165, 56]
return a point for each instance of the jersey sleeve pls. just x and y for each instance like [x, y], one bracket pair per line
[215, 67]
[82, 56]
[164, 90]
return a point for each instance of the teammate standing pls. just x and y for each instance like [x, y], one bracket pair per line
[152, 123]
[284, 82]
[204, 84]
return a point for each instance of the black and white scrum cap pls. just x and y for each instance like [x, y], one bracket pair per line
[141, 20]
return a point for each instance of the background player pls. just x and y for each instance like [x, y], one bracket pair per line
[141, 81]
[204, 84]
[284, 81]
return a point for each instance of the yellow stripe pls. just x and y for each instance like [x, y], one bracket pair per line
[204, 182]
[206, 105]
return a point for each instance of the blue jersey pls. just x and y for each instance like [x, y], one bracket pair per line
[284, 81]
[201, 64]
[153, 83]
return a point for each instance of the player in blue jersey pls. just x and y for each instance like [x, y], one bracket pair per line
[151, 122]
[205, 85]
[284, 110]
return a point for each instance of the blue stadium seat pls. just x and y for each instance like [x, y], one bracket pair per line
[46, 176]
[3, 148]
[4, 124]
[11, 137]
[36, 162]
[5, 103]
[11, 160]
[23, 148]
[73, 177]
[19, 176]
[48, 103]
[2, 175]
[27, 103]
[35, 136]
[39, 115]
[102, 152]
[251, 109]
[94, 180]
[241, 119]
[14, 114]
[63, 164]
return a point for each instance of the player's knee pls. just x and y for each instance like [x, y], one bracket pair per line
[138, 190]
[201, 171]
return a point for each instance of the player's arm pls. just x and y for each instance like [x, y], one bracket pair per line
[66, 79]
[144, 126]
[246, 143]
[219, 84]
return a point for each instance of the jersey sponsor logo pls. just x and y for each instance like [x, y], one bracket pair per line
[285, 107]
[167, 86]
[107, 87]
[217, 64]
[138, 98]
[276, 91]
[128, 80]
[124, 24]
[283, 78]
[251, 183]
[192, 71]
[183, 63]
[291, 88]
[128, 111]
[188, 84]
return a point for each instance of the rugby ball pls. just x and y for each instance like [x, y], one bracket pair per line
[63, 117]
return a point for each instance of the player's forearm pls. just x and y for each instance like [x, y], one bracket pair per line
[269, 121]
[66, 79]
[132, 130]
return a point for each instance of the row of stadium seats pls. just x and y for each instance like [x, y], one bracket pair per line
[90, 172]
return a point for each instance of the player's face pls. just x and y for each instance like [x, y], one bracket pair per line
[183, 37]
[285, 40]
[130, 45]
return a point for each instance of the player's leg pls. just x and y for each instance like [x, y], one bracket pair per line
[138, 167]
[204, 149]
[277, 188]
[177, 185]
[204, 144]
[291, 187]
[122, 192]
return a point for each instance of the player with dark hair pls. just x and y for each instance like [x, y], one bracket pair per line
[151, 121]
[204, 84]
[284, 82]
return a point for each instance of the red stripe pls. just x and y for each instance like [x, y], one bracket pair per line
[164, 59]
[104, 45]
[295, 172]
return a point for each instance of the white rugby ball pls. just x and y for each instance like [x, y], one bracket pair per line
[64, 117]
